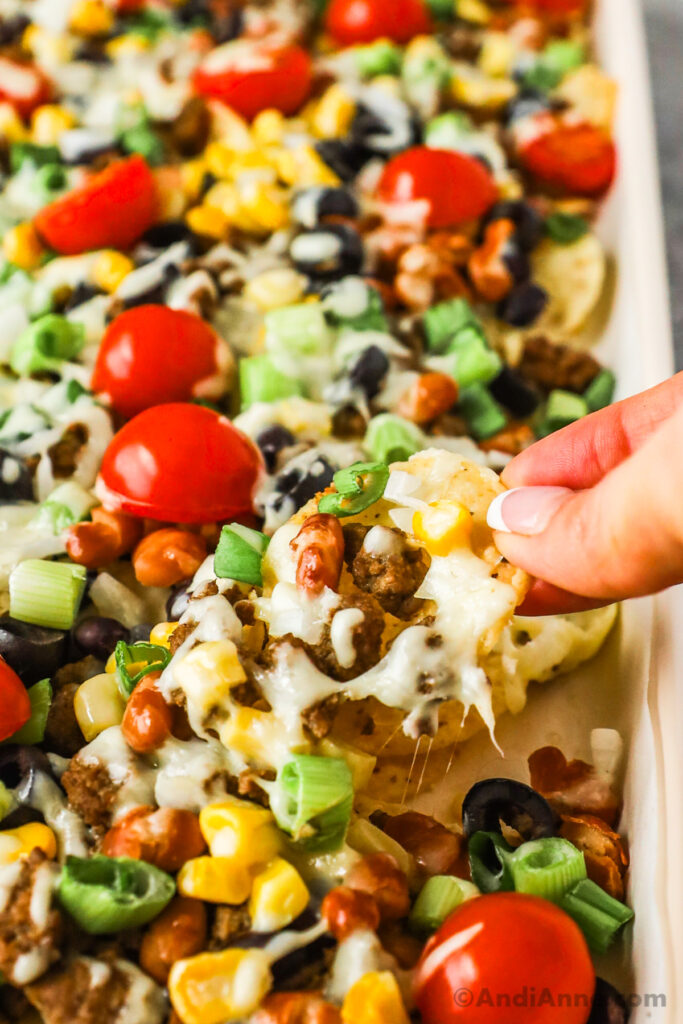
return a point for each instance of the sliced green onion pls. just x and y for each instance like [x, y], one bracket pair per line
[358, 487]
[110, 894]
[74, 390]
[442, 9]
[261, 381]
[481, 411]
[565, 228]
[299, 330]
[46, 593]
[600, 391]
[352, 303]
[553, 63]
[564, 407]
[380, 58]
[446, 130]
[33, 731]
[599, 916]
[390, 438]
[152, 658]
[547, 867]
[67, 504]
[46, 344]
[239, 554]
[39, 156]
[50, 179]
[489, 857]
[313, 801]
[470, 359]
[438, 898]
[143, 140]
[444, 321]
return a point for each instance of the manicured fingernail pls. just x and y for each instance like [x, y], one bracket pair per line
[526, 510]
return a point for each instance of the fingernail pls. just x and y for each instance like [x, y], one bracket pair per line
[526, 510]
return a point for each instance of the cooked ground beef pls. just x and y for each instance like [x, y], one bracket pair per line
[248, 785]
[62, 732]
[550, 366]
[63, 454]
[391, 578]
[30, 927]
[89, 991]
[91, 791]
[319, 718]
[180, 635]
[229, 924]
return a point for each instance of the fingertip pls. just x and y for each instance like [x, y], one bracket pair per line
[545, 599]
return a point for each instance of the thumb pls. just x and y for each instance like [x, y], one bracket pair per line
[622, 538]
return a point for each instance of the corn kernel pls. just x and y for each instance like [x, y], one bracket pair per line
[257, 735]
[332, 116]
[215, 879]
[48, 122]
[268, 128]
[98, 705]
[442, 526]
[22, 247]
[275, 288]
[110, 665]
[240, 830]
[208, 221]
[266, 205]
[497, 54]
[128, 45]
[192, 174]
[303, 167]
[229, 128]
[12, 128]
[215, 988]
[19, 842]
[278, 896]
[110, 268]
[91, 18]
[474, 89]
[207, 675]
[475, 11]
[162, 633]
[374, 999]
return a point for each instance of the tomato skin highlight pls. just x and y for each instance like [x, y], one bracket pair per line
[36, 88]
[457, 187]
[151, 355]
[364, 21]
[180, 463]
[15, 706]
[285, 85]
[576, 159]
[499, 946]
[110, 210]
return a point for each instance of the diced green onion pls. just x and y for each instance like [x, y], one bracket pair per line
[565, 228]
[7, 801]
[46, 593]
[599, 916]
[481, 411]
[46, 344]
[152, 658]
[33, 731]
[313, 801]
[74, 390]
[547, 867]
[446, 130]
[354, 304]
[470, 359]
[50, 179]
[261, 381]
[109, 894]
[552, 64]
[390, 438]
[444, 321]
[489, 857]
[239, 554]
[380, 58]
[438, 898]
[299, 330]
[358, 487]
[39, 156]
[564, 407]
[67, 504]
[143, 140]
[600, 391]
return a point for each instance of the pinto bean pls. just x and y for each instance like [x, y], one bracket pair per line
[606, 856]
[167, 556]
[347, 910]
[166, 837]
[296, 1008]
[436, 849]
[319, 546]
[148, 719]
[431, 395]
[109, 536]
[380, 875]
[488, 271]
[179, 932]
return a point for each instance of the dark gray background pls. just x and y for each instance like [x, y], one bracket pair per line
[664, 24]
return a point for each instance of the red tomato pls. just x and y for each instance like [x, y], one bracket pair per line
[111, 210]
[23, 85]
[363, 21]
[152, 354]
[457, 187]
[15, 706]
[179, 463]
[577, 159]
[250, 82]
[560, 7]
[498, 947]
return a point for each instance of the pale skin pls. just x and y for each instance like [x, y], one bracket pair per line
[598, 516]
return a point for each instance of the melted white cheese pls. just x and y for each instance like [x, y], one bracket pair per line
[341, 634]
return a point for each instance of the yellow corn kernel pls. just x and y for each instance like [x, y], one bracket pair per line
[215, 988]
[208, 221]
[110, 665]
[268, 128]
[257, 735]
[241, 830]
[22, 247]
[266, 205]
[98, 705]
[162, 633]
[275, 288]
[48, 122]
[168, 188]
[442, 526]
[48, 48]
[474, 89]
[497, 54]
[303, 167]
[475, 11]
[19, 842]
[12, 128]
[374, 999]
[332, 116]
[215, 879]
[110, 268]
[91, 18]
[388, 83]
[229, 128]
[278, 896]
[126, 45]
[192, 174]
[207, 675]
[219, 159]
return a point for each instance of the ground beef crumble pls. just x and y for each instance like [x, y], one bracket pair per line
[550, 365]
[20, 933]
[91, 791]
[392, 578]
[229, 924]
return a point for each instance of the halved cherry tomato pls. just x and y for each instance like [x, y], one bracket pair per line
[576, 159]
[499, 946]
[180, 463]
[152, 354]
[15, 706]
[363, 21]
[455, 186]
[111, 210]
[23, 85]
[254, 77]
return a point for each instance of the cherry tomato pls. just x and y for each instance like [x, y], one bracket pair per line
[152, 354]
[23, 85]
[256, 79]
[499, 946]
[15, 706]
[576, 159]
[180, 463]
[363, 21]
[456, 187]
[561, 7]
[111, 210]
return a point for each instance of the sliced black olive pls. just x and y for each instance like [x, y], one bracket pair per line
[494, 800]
[328, 252]
[81, 293]
[312, 204]
[523, 305]
[526, 103]
[369, 370]
[99, 635]
[384, 125]
[160, 236]
[345, 158]
[32, 651]
[609, 1006]
[12, 28]
[511, 390]
[16, 481]
[178, 601]
[271, 441]
[527, 221]
[516, 260]
[19, 767]
[298, 485]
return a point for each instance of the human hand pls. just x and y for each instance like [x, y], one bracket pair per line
[596, 510]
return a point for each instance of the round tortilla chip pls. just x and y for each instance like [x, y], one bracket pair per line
[574, 277]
